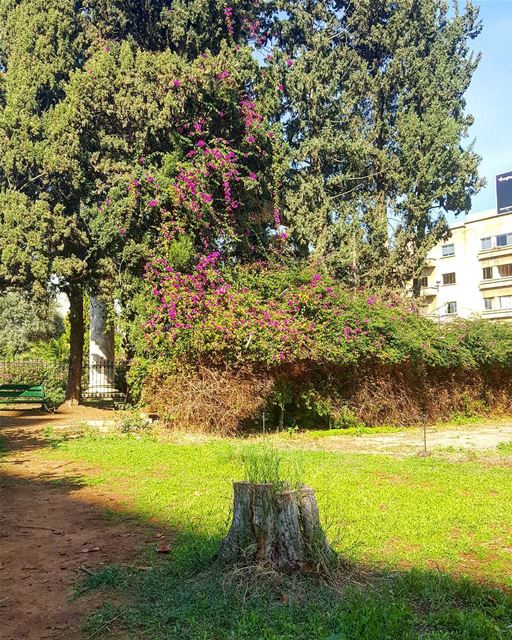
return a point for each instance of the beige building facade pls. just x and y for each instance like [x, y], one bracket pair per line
[470, 275]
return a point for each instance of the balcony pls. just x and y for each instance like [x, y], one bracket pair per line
[495, 283]
[495, 252]
[429, 291]
[497, 314]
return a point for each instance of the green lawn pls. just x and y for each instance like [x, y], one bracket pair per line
[403, 519]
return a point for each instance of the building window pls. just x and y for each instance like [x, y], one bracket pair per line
[487, 273]
[488, 304]
[449, 278]
[505, 302]
[486, 243]
[505, 270]
[451, 307]
[424, 282]
[504, 239]
[448, 250]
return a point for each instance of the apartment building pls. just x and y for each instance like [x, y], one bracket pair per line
[470, 275]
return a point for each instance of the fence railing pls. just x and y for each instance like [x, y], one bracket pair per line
[99, 380]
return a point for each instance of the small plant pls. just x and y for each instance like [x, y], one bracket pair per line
[505, 447]
[262, 465]
[133, 422]
[53, 439]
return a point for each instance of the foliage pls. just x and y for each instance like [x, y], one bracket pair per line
[133, 422]
[51, 374]
[273, 316]
[24, 321]
[379, 154]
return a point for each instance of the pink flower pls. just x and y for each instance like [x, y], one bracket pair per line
[253, 176]
[176, 83]
[136, 183]
[205, 197]
[223, 75]
[201, 143]
[152, 203]
[142, 160]
[289, 62]
[280, 87]
[150, 178]
[371, 300]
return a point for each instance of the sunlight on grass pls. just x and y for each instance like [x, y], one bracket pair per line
[400, 520]
[423, 512]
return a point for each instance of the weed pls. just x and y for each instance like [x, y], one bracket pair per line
[505, 447]
[133, 422]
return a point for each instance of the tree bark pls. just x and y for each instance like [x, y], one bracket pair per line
[280, 529]
[76, 345]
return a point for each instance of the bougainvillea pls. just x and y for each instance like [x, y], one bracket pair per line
[283, 315]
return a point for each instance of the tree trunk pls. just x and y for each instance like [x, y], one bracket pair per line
[76, 345]
[280, 529]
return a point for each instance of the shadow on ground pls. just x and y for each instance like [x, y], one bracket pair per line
[60, 529]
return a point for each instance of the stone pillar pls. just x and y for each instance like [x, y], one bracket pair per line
[101, 351]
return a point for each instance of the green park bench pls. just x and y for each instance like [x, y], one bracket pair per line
[24, 394]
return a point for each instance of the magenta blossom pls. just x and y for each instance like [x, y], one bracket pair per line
[152, 203]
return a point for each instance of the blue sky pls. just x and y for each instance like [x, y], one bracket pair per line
[489, 98]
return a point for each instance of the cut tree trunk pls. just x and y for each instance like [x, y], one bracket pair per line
[76, 345]
[280, 529]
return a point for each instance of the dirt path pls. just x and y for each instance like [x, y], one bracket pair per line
[474, 437]
[52, 528]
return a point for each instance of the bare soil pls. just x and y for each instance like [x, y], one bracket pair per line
[474, 437]
[53, 528]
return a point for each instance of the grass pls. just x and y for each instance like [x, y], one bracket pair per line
[403, 520]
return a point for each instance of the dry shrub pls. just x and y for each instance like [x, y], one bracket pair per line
[406, 395]
[204, 399]
[225, 401]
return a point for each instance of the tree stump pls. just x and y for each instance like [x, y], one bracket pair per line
[276, 528]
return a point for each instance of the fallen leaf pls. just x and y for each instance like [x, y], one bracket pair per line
[163, 548]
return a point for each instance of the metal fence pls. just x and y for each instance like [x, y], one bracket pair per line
[35, 371]
[106, 380]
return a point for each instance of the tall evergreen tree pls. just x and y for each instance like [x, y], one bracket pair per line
[74, 120]
[42, 235]
[373, 104]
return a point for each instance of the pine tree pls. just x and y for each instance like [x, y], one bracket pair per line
[75, 118]
[43, 238]
[373, 104]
